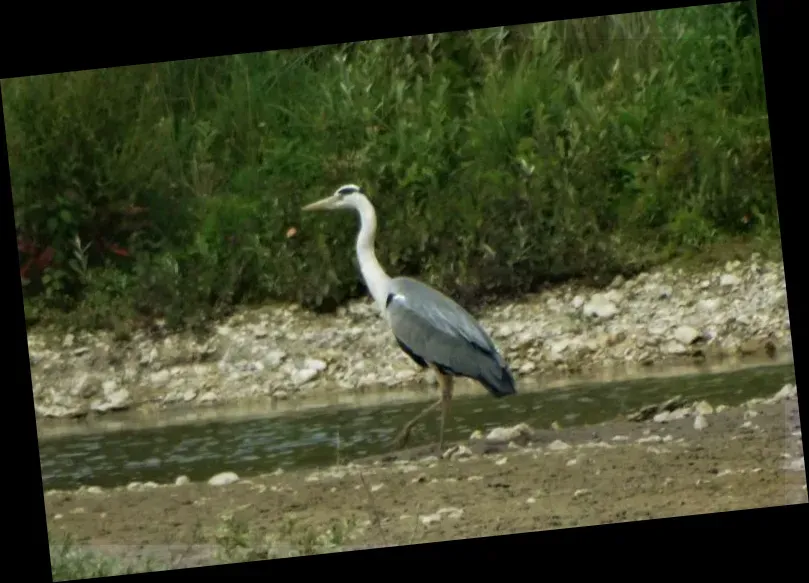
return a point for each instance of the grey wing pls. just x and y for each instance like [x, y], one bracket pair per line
[433, 329]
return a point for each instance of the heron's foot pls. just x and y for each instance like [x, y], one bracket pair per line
[400, 441]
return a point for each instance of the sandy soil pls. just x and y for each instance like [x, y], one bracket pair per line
[614, 472]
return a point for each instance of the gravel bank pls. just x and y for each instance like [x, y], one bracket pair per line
[280, 354]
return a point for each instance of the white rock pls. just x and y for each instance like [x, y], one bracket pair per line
[729, 280]
[114, 401]
[208, 397]
[680, 413]
[686, 335]
[674, 347]
[160, 377]
[700, 422]
[274, 357]
[558, 445]
[303, 376]
[708, 305]
[599, 307]
[314, 364]
[528, 368]
[223, 479]
[520, 432]
[428, 519]
[181, 480]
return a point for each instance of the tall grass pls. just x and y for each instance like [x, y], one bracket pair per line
[497, 159]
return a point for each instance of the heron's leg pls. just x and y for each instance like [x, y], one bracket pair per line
[446, 397]
[404, 434]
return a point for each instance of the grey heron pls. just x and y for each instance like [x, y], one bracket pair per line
[433, 330]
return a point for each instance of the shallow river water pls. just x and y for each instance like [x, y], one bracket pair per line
[325, 436]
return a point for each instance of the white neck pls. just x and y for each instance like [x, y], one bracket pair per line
[375, 277]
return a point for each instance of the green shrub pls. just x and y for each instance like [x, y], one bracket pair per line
[498, 159]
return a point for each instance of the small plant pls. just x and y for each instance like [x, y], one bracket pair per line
[239, 542]
[79, 261]
[70, 562]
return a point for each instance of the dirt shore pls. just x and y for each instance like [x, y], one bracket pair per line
[746, 457]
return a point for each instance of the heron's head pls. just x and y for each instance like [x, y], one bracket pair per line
[347, 196]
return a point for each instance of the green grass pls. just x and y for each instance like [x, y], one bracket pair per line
[234, 541]
[70, 562]
[498, 160]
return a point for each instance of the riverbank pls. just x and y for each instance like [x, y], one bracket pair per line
[281, 356]
[682, 459]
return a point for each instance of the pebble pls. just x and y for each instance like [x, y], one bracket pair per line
[558, 445]
[728, 280]
[686, 335]
[700, 422]
[520, 433]
[451, 512]
[599, 307]
[223, 479]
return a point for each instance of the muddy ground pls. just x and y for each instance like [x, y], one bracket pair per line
[746, 457]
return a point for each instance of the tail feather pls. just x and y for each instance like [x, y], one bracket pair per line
[497, 378]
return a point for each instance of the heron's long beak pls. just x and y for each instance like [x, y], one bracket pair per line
[321, 205]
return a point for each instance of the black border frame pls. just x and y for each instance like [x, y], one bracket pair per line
[79, 48]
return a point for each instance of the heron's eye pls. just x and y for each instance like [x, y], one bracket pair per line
[346, 190]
